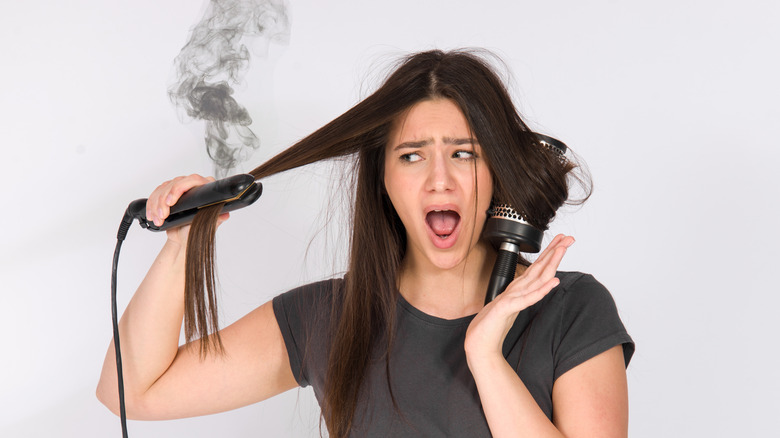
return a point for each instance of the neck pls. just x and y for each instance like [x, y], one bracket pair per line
[448, 293]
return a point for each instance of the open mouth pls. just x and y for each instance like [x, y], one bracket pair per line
[442, 222]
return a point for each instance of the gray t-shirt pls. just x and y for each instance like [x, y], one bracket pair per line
[432, 384]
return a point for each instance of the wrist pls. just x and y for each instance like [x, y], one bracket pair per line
[179, 235]
[484, 359]
[175, 251]
[479, 347]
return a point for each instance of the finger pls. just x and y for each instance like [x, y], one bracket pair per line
[551, 267]
[532, 296]
[543, 255]
[222, 218]
[164, 203]
[559, 241]
[553, 243]
[535, 267]
[158, 205]
[182, 185]
[154, 200]
[544, 268]
[541, 263]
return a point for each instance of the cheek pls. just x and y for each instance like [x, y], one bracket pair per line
[484, 188]
[394, 190]
[385, 172]
[389, 182]
[484, 196]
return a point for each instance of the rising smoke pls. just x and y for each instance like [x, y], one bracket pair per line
[216, 57]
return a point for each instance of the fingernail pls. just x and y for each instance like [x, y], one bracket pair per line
[169, 200]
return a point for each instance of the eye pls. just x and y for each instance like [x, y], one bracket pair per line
[464, 155]
[411, 157]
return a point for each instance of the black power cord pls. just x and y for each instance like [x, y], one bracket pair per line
[127, 220]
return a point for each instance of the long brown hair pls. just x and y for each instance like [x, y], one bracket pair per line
[525, 175]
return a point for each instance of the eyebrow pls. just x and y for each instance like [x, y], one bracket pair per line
[427, 141]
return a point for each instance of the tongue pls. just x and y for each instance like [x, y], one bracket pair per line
[443, 222]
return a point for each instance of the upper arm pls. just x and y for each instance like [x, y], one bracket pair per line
[591, 399]
[254, 367]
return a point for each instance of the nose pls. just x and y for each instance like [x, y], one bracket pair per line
[440, 177]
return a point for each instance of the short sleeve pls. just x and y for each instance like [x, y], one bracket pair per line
[302, 315]
[589, 325]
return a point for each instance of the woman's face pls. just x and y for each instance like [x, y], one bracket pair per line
[430, 177]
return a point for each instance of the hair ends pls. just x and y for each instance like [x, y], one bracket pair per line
[201, 317]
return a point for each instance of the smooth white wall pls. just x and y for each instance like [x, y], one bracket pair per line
[672, 104]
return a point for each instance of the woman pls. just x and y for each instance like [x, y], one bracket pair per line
[402, 345]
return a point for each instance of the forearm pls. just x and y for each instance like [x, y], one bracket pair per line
[149, 328]
[509, 407]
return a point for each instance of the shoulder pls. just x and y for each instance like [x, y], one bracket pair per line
[580, 293]
[588, 322]
[303, 315]
[578, 280]
[578, 290]
[577, 299]
[317, 287]
[308, 304]
[308, 295]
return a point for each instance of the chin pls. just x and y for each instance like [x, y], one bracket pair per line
[447, 263]
[454, 259]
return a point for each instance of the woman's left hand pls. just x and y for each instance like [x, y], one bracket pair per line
[486, 333]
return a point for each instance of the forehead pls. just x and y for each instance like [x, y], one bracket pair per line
[430, 119]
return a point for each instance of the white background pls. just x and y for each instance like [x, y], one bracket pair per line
[674, 105]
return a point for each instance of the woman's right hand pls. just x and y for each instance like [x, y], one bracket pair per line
[158, 205]
[163, 380]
